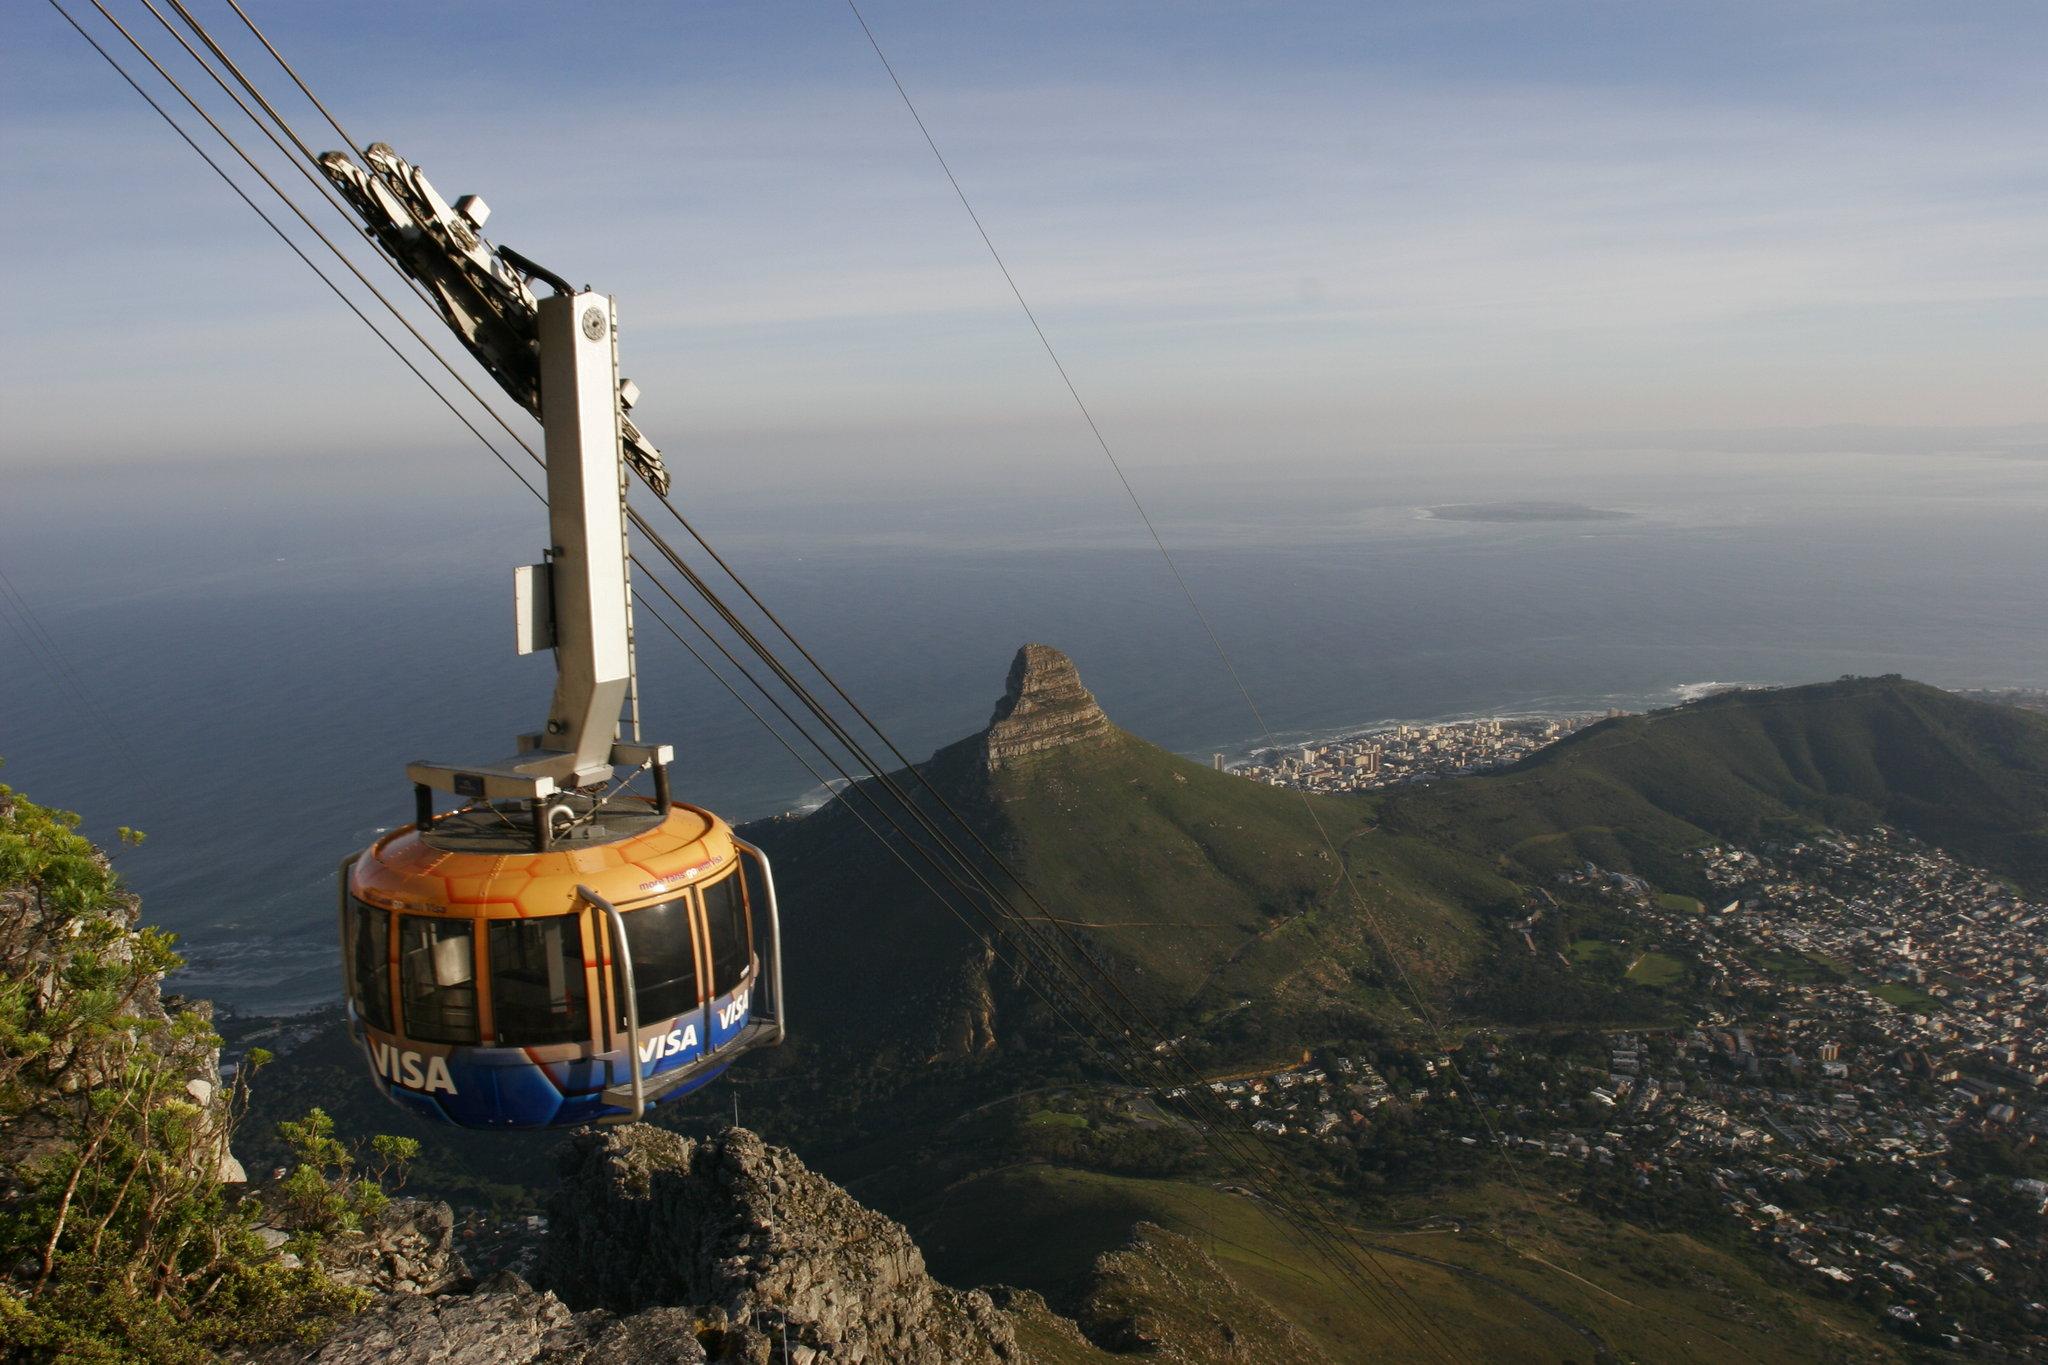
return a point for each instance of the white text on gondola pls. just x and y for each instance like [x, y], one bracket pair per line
[676, 1040]
[412, 1070]
[734, 1012]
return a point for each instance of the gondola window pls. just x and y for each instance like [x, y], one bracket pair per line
[369, 963]
[725, 917]
[537, 990]
[437, 980]
[664, 960]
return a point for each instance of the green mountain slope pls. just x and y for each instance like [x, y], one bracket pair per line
[1635, 792]
[1215, 901]
[1205, 894]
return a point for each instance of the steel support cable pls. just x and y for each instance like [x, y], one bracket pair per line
[284, 124]
[753, 642]
[269, 108]
[274, 227]
[306, 169]
[58, 666]
[299, 213]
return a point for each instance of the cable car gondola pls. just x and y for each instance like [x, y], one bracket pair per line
[556, 950]
[494, 986]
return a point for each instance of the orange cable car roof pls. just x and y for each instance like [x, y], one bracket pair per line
[402, 871]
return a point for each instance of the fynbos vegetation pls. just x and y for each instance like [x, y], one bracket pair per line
[123, 1233]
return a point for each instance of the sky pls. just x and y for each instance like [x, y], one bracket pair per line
[1257, 233]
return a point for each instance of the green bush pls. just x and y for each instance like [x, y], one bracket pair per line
[118, 1239]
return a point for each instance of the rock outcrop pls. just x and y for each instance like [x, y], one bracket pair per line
[408, 1248]
[1046, 707]
[505, 1322]
[1163, 1297]
[644, 1217]
[667, 1250]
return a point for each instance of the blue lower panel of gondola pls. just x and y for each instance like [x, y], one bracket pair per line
[498, 1087]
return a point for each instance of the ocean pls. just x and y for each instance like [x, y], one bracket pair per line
[239, 660]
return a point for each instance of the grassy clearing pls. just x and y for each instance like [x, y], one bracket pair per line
[1657, 969]
[1054, 1118]
[1906, 997]
[1797, 968]
[1686, 905]
[1056, 1221]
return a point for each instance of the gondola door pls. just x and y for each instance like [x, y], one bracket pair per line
[657, 1017]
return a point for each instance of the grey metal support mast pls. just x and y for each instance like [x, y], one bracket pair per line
[557, 357]
[576, 601]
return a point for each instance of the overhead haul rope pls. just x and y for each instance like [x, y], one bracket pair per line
[753, 643]
[58, 668]
[424, 379]
[488, 444]
[1422, 1009]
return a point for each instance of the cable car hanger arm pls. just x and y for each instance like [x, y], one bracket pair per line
[558, 358]
[481, 290]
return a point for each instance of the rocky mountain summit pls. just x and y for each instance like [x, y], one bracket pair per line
[1044, 707]
[664, 1248]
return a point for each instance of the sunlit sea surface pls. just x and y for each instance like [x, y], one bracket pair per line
[247, 661]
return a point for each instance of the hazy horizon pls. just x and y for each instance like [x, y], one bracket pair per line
[1311, 234]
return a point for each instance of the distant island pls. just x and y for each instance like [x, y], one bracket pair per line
[1524, 511]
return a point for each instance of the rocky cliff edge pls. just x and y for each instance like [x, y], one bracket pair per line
[1044, 707]
[663, 1248]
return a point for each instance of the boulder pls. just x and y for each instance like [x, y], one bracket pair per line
[409, 1248]
[644, 1218]
[505, 1322]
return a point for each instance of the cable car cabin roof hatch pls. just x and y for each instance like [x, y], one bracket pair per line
[552, 952]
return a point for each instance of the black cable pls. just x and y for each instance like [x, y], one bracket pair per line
[351, 143]
[279, 192]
